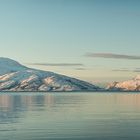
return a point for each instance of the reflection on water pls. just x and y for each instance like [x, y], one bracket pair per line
[72, 116]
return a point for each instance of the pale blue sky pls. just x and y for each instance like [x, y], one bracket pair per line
[64, 31]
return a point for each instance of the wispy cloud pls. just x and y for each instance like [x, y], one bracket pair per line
[80, 69]
[57, 64]
[122, 70]
[113, 56]
[127, 70]
[136, 70]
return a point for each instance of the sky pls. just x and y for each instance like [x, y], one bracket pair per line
[94, 40]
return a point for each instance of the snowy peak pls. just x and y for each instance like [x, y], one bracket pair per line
[8, 61]
[130, 85]
[16, 77]
[8, 65]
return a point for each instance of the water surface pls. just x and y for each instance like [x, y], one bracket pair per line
[69, 116]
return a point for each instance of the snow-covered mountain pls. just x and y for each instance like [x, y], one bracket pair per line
[16, 77]
[130, 85]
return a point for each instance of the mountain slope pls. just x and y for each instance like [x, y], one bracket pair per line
[130, 85]
[16, 77]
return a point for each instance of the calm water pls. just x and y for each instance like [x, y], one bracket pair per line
[69, 116]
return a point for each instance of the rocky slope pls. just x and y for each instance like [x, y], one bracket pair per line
[16, 77]
[130, 85]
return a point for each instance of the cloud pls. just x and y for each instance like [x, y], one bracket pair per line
[57, 64]
[136, 70]
[80, 69]
[113, 56]
[127, 70]
[121, 70]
